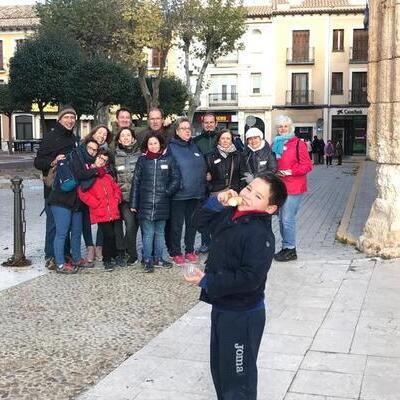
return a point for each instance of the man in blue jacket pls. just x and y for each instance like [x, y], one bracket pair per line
[234, 281]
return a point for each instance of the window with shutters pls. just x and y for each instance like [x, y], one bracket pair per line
[358, 93]
[24, 127]
[256, 83]
[1, 55]
[338, 40]
[337, 83]
[155, 58]
[359, 51]
[300, 45]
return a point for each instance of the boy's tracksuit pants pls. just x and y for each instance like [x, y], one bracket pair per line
[235, 341]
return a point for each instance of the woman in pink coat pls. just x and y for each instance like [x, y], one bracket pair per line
[293, 166]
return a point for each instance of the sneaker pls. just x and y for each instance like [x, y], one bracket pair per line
[148, 267]
[131, 261]
[67, 268]
[203, 249]
[180, 260]
[50, 264]
[84, 263]
[160, 263]
[108, 266]
[120, 261]
[192, 257]
[286, 255]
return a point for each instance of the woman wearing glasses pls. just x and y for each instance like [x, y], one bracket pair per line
[192, 168]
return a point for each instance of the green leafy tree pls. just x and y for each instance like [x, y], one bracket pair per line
[40, 71]
[8, 105]
[208, 31]
[91, 22]
[147, 24]
[97, 83]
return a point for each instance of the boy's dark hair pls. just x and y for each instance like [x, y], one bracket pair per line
[123, 109]
[221, 132]
[119, 134]
[159, 137]
[89, 136]
[277, 190]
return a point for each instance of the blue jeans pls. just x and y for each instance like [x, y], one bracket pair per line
[152, 232]
[50, 232]
[287, 220]
[67, 221]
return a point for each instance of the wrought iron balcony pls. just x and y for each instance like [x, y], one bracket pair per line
[359, 54]
[300, 55]
[299, 97]
[223, 99]
[358, 97]
[231, 58]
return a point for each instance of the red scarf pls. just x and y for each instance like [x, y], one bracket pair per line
[237, 214]
[152, 156]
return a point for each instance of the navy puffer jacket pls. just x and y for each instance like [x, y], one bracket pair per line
[260, 161]
[154, 182]
[192, 166]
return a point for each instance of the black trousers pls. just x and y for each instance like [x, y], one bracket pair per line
[328, 160]
[182, 212]
[235, 341]
[109, 246]
[127, 241]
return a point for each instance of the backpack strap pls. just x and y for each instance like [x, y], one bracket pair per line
[298, 151]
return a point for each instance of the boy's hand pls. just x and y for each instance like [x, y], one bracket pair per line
[223, 197]
[195, 277]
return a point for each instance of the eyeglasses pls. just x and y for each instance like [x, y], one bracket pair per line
[155, 119]
[185, 129]
[92, 149]
[104, 159]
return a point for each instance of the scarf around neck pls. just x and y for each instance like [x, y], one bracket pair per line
[225, 151]
[152, 156]
[279, 143]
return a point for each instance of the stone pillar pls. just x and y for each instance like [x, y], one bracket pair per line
[381, 234]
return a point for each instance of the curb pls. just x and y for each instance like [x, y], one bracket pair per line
[341, 233]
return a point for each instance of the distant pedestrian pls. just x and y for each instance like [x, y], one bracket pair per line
[309, 148]
[315, 149]
[321, 151]
[293, 166]
[103, 198]
[156, 180]
[329, 151]
[185, 201]
[339, 152]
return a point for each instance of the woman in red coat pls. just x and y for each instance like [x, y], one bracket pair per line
[293, 163]
[103, 198]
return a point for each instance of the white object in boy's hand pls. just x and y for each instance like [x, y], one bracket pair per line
[224, 197]
[189, 269]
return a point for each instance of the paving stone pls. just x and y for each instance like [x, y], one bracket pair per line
[334, 362]
[292, 327]
[381, 380]
[329, 340]
[279, 361]
[341, 320]
[273, 384]
[327, 384]
[286, 344]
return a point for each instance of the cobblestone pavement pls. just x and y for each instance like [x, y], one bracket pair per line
[61, 334]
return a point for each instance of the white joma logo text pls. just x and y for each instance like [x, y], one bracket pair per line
[239, 348]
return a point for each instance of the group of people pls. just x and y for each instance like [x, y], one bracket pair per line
[155, 180]
[317, 149]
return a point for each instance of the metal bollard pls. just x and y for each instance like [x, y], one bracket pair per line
[18, 258]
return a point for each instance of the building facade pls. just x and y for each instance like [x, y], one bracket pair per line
[303, 58]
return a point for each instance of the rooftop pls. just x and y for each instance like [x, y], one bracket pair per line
[18, 17]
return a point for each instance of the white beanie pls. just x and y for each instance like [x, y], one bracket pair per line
[254, 132]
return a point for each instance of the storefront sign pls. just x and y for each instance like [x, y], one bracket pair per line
[350, 111]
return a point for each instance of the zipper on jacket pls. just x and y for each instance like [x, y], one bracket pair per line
[154, 190]
[107, 199]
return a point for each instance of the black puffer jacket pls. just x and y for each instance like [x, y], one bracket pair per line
[154, 182]
[220, 169]
[260, 161]
[240, 256]
[80, 162]
[59, 140]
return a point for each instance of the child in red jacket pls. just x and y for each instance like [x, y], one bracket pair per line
[103, 198]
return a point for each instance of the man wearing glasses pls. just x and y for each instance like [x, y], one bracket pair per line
[155, 122]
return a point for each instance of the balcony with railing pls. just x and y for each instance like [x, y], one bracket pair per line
[359, 54]
[300, 97]
[300, 56]
[223, 99]
[358, 97]
[231, 58]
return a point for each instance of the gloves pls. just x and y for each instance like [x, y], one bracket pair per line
[101, 171]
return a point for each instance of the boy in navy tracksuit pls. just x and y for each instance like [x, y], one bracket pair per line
[242, 250]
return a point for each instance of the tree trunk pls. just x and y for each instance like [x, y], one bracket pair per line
[11, 138]
[144, 88]
[199, 87]
[101, 115]
[41, 107]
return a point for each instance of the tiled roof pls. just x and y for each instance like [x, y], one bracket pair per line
[18, 17]
[297, 7]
